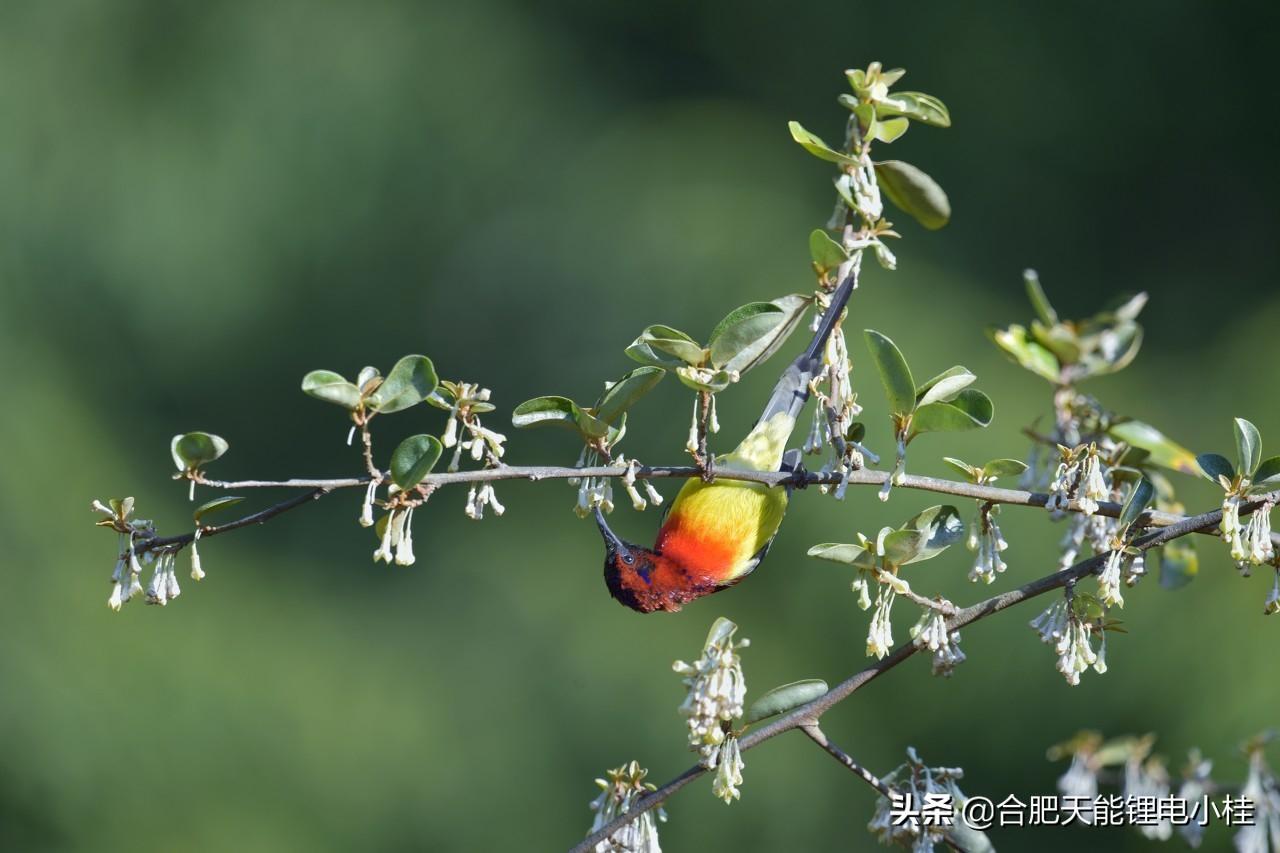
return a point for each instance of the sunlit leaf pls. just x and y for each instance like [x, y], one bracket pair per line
[1164, 450]
[332, 388]
[940, 528]
[945, 386]
[215, 505]
[742, 329]
[815, 146]
[626, 391]
[1026, 352]
[899, 387]
[410, 381]
[786, 697]
[914, 192]
[1248, 446]
[1139, 499]
[413, 459]
[193, 449]
[971, 409]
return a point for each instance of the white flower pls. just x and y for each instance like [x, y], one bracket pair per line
[1075, 654]
[618, 794]
[1257, 536]
[880, 635]
[480, 497]
[931, 633]
[861, 588]
[1196, 783]
[404, 547]
[1149, 779]
[1052, 623]
[816, 437]
[1109, 580]
[1081, 778]
[197, 571]
[1136, 570]
[1230, 528]
[164, 581]
[1273, 598]
[384, 552]
[986, 542]
[728, 765]
[691, 446]
[629, 482]
[1079, 476]
[366, 509]
[1260, 786]
[717, 689]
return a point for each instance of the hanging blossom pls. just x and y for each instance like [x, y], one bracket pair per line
[717, 689]
[916, 781]
[197, 571]
[728, 765]
[465, 402]
[1071, 638]
[1261, 787]
[1196, 783]
[478, 497]
[1109, 578]
[880, 635]
[592, 491]
[618, 793]
[931, 633]
[164, 580]
[1081, 778]
[987, 543]
[1079, 477]
[629, 483]
[1250, 543]
[1148, 779]
[396, 544]
[125, 577]
[1273, 598]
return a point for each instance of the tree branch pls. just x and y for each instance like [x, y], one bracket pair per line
[818, 736]
[809, 714]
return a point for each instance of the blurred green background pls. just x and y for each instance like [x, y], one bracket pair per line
[199, 202]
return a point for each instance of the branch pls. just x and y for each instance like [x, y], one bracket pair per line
[260, 517]
[818, 736]
[808, 715]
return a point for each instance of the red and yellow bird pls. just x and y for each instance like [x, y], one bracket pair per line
[715, 534]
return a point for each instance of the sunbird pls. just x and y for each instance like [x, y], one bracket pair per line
[716, 533]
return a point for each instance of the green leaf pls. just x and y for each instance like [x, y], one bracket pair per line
[917, 105]
[411, 381]
[1002, 468]
[1164, 451]
[743, 328]
[971, 409]
[193, 449]
[1215, 465]
[663, 346]
[367, 378]
[816, 146]
[557, 411]
[827, 253]
[623, 394]
[1178, 560]
[899, 387]
[718, 381]
[786, 697]
[940, 528]
[914, 192]
[793, 307]
[414, 459]
[1137, 503]
[1039, 301]
[945, 386]
[593, 427]
[1248, 446]
[1027, 352]
[889, 129]
[332, 388]
[215, 505]
[1267, 472]
[965, 470]
[851, 555]
[903, 546]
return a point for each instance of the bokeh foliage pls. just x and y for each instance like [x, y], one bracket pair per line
[200, 203]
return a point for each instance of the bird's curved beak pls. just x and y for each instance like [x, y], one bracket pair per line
[611, 540]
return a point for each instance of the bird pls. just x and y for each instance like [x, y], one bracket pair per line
[716, 533]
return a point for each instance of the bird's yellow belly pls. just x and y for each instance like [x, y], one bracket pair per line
[715, 529]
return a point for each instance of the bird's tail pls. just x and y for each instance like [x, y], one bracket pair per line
[792, 390]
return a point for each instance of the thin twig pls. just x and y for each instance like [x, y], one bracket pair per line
[818, 736]
[809, 714]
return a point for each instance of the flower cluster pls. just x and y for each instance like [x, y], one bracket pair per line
[618, 793]
[1262, 788]
[396, 544]
[1079, 477]
[987, 543]
[1149, 778]
[717, 689]
[629, 483]
[931, 632]
[164, 580]
[125, 578]
[1072, 640]
[465, 402]
[836, 406]
[917, 782]
[592, 491]
[1250, 543]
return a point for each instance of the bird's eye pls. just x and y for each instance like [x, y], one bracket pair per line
[629, 560]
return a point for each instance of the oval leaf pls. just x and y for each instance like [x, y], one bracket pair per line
[558, 411]
[1164, 451]
[971, 409]
[827, 253]
[1267, 472]
[694, 378]
[213, 506]
[1026, 352]
[1138, 502]
[940, 526]
[793, 308]
[787, 697]
[663, 346]
[193, 449]
[903, 546]
[410, 382]
[851, 555]
[914, 192]
[925, 109]
[945, 386]
[1248, 446]
[1002, 468]
[743, 328]
[899, 387]
[965, 470]
[1215, 465]
[332, 388]
[414, 459]
[623, 394]
[816, 146]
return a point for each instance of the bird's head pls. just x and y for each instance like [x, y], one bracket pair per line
[636, 576]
